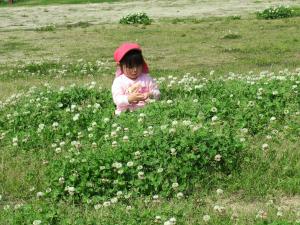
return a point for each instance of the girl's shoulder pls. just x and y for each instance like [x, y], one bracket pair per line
[146, 76]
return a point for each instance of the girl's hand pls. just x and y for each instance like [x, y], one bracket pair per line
[136, 97]
[134, 88]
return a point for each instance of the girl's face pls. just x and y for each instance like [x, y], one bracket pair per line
[132, 72]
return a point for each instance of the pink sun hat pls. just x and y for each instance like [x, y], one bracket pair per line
[122, 50]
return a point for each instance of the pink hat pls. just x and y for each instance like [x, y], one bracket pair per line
[122, 50]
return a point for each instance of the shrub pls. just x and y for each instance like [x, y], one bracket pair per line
[50, 27]
[136, 18]
[275, 12]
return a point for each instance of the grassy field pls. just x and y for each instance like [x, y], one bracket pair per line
[82, 53]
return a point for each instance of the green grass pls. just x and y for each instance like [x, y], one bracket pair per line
[171, 47]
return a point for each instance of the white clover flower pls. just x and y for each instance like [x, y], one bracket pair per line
[126, 129]
[76, 117]
[94, 144]
[206, 218]
[219, 191]
[275, 92]
[102, 167]
[58, 150]
[141, 175]
[273, 118]
[130, 164]
[114, 125]
[244, 130]
[157, 219]
[113, 134]
[32, 189]
[125, 138]
[172, 130]
[279, 213]
[195, 128]
[169, 101]
[36, 222]
[155, 197]
[175, 185]
[17, 206]
[265, 146]
[160, 170]
[106, 204]
[145, 133]
[137, 154]
[120, 171]
[195, 100]
[41, 126]
[140, 120]
[142, 115]
[168, 223]
[251, 103]
[61, 180]
[55, 124]
[140, 167]
[219, 209]
[214, 118]
[173, 151]
[71, 190]
[198, 86]
[262, 215]
[98, 206]
[40, 194]
[218, 158]
[117, 165]
[114, 200]
[186, 122]
[214, 109]
[174, 122]
[127, 196]
[179, 195]
[129, 207]
[119, 193]
[106, 120]
[173, 220]
[114, 144]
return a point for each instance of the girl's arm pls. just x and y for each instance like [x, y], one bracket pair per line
[118, 93]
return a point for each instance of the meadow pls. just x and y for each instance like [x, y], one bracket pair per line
[221, 146]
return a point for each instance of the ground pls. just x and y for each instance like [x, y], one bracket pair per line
[32, 17]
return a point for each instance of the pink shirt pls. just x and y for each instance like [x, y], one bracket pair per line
[120, 91]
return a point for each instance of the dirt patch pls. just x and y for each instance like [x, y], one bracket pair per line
[37, 16]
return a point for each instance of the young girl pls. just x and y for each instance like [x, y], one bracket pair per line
[132, 86]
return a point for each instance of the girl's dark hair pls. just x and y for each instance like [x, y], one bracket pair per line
[132, 58]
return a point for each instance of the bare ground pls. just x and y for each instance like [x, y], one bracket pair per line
[37, 16]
